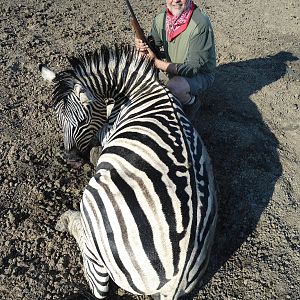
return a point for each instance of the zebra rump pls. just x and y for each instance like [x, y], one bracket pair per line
[148, 215]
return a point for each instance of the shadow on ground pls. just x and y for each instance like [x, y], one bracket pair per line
[243, 149]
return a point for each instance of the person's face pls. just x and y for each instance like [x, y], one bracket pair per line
[176, 7]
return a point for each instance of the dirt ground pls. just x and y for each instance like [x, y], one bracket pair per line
[249, 122]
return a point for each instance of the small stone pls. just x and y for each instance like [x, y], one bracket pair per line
[57, 183]
[11, 217]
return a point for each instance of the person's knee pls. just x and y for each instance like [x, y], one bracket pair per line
[179, 87]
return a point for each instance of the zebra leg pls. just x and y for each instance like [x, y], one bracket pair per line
[71, 221]
[96, 274]
[94, 269]
[95, 149]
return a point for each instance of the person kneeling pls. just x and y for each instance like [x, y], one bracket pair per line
[186, 36]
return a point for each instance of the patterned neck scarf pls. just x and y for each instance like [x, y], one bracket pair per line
[177, 24]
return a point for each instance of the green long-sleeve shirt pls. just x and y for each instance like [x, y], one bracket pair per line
[193, 51]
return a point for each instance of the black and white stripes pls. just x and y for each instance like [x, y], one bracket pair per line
[149, 213]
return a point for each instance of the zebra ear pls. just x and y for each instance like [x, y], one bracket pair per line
[47, 74]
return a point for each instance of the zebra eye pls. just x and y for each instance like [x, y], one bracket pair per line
[78, 89]
[82, 90]
[81, 123]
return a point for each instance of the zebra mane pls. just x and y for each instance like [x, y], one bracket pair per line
[118, 69]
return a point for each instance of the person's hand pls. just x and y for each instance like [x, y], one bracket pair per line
[140, 45]
[150, 54]
[144, 48]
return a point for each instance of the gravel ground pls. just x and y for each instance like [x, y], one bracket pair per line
[249, 122]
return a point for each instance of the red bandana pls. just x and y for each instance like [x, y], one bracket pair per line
[177, 24]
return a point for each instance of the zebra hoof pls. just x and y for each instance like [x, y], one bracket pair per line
[95, 154]
[63, 221]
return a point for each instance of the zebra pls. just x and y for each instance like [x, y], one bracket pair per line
[148, 215]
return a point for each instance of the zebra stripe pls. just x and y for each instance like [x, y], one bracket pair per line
[149, 213]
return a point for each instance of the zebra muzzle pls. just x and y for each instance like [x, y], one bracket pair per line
[73, 158]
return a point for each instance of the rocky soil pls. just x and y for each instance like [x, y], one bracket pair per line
[249, 122]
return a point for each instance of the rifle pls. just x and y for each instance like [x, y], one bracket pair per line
[139, 33]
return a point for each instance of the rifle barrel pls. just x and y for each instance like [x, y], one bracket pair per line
[135, 24]
[130, 9]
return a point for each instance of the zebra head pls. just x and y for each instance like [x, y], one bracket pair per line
[82, 94]
[80, 109]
